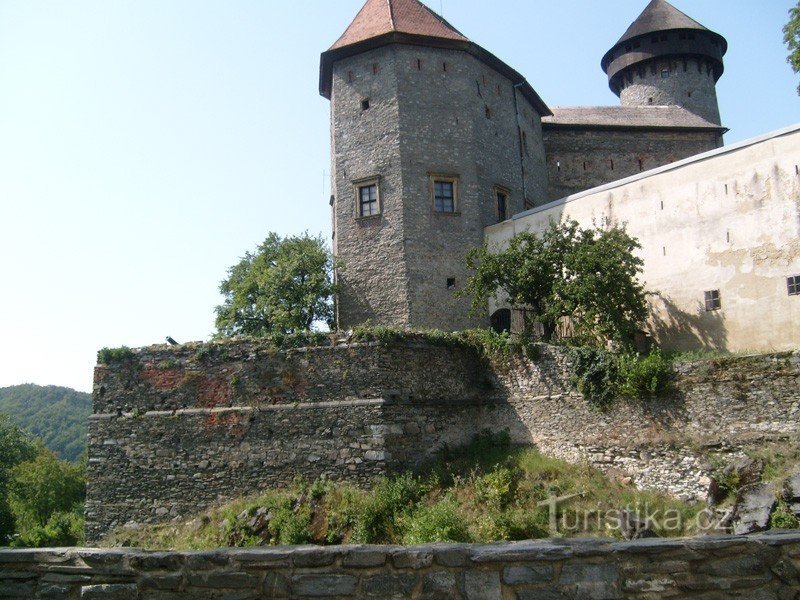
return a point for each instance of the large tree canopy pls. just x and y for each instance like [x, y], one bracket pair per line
[791, 35]
[286, 286]
[590, 275]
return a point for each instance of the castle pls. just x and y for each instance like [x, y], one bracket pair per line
[435, 140]
[438, 146]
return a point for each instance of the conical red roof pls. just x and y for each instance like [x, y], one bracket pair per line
[380, 17]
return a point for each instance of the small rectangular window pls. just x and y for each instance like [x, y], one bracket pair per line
[365, 104]
[451, 283]
[368, 205]
[793, 285]
[664, 73]
[444, 199]
[713, 301]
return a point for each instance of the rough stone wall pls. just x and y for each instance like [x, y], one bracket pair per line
[176, 429]
[757, 566]
[690, 84]
[431, 111]
[579, 159]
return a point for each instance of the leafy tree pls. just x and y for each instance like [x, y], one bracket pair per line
[16, 446]
[791, 36]
[41, 487]
[284, 287]
[589, 275]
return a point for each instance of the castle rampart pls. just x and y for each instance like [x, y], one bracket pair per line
[178, 429]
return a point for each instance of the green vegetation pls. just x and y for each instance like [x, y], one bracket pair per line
[286, 286]
[488, 491]
[56, 415]
[791, 37]
[587, 275]
[41, 497]
[107, 356]
[603, 376]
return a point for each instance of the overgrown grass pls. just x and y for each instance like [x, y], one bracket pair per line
[487, 491]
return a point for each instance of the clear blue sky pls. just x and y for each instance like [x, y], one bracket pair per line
[145, 145]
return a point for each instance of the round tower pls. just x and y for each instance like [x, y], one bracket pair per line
[432, 139]
[667, 58]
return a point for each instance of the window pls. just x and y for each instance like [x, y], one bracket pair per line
[713, 301]
[444, 196]
[793, 285]
[664, 73]
[368, 197]
[365, 104]
[451, 283]
[502, 204]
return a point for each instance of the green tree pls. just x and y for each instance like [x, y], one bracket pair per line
[39, 488]
[791, 36]
[16, 446]
[590, 275]
[286, 286]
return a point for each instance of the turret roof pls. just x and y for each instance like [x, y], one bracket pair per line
[379, 17]
[659, 15]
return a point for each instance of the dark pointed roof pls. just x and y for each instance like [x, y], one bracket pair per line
[379, 17]
[659, 15]
[383, 22]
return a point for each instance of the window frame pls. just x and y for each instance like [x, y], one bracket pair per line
[364, 183]
[793, 281]
[713, 300]
[433, 179]
[497, 191]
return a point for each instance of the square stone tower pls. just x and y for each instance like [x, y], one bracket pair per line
[432, 139]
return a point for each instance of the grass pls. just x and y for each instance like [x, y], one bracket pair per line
[487, 491]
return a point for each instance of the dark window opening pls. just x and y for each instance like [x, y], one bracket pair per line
[443, 196]
[498, 89]
[374, 68]
[712, 300]
[793, 285]
[584, 165]
[649, 100]
[365, 104]
[488, 112]
[501, 320]
[444, 66]
[641, 165]
[502, 206]
[797, 170]
[664, 250]
[612, 164]
[368, 200]
[419, 64]
[688, 94]
[451, 283]
[558, 166]
[726, 189]
[728, 236]
[662, 202]
[664, 73]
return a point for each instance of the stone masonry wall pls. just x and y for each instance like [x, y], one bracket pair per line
[755, 566]
[176, 429]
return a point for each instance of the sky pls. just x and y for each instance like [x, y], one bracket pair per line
[146, 145]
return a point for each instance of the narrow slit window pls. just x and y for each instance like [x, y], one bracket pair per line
[374, 68]
[419, 64]
[444, 66]
[487, 112]
[502, 205]
[641, 165]
[713, 301]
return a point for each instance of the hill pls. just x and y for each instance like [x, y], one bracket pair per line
[57, 415]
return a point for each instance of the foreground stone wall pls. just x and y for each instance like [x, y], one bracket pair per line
[177, 429]
[756, 566]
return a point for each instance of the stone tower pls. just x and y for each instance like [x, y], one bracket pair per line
[432, 139]
[666, 58]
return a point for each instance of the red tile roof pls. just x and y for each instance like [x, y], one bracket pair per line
[379, 17]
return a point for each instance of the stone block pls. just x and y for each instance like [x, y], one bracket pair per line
[17, 589]
[323, 585]
[314, 556]
[223, 580]
[276, 585]
[582, 573]
[169, 581]
[213, 559]
[389, 586]
[516, 575]
[364, 557]
[412, 559]
[157, 561]
[439, 584]
[482, 585]
[111, 591]
[452, 555]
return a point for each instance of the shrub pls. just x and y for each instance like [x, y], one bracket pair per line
[595, 374]
[497, 488]
[380, 517]
[438, 523]
[782, 518]
[109, 355]
[644, 375]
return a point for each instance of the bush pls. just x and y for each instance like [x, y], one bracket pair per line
[381, 516]
[644, 375]
[782, 518]
[497, 488]
[110, 355]
[438, 523]
[61, 529]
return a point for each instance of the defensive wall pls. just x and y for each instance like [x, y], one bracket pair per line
[754, 566]
[176, 429]
[726, 222]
